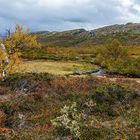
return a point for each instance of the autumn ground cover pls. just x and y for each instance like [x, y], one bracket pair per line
[31, 103]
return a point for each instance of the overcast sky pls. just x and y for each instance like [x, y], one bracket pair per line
[58, 15]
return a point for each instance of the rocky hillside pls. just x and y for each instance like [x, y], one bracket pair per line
[128, 34]
[129, 27]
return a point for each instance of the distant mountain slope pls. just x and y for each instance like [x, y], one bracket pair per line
[129, 27]
[39, 33]
[128, 34]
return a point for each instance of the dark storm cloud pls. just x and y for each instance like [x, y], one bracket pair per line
[67, 14]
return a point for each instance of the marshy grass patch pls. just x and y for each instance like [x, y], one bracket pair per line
[58, 68]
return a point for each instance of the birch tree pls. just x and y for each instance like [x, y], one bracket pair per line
[11, 49]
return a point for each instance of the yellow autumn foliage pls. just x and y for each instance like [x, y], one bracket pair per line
[11, 49]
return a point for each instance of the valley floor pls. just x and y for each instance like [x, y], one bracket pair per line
[58, 67]
[61, 106]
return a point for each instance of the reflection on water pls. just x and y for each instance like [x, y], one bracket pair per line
[99, 73]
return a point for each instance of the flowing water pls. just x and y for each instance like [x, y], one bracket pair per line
[99, 73]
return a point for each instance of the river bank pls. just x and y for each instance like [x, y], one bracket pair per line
[102, 74]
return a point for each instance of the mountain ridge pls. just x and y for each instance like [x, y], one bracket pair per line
[115, 28]
[127, 34]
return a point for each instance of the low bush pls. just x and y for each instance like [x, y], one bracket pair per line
[106, 110]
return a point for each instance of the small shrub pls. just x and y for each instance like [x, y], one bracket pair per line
[69, 122]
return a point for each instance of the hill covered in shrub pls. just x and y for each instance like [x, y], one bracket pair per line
[127, 34]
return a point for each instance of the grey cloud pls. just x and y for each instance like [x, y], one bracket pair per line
[63, 14]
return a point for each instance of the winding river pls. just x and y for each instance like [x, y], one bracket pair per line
[101, 73]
